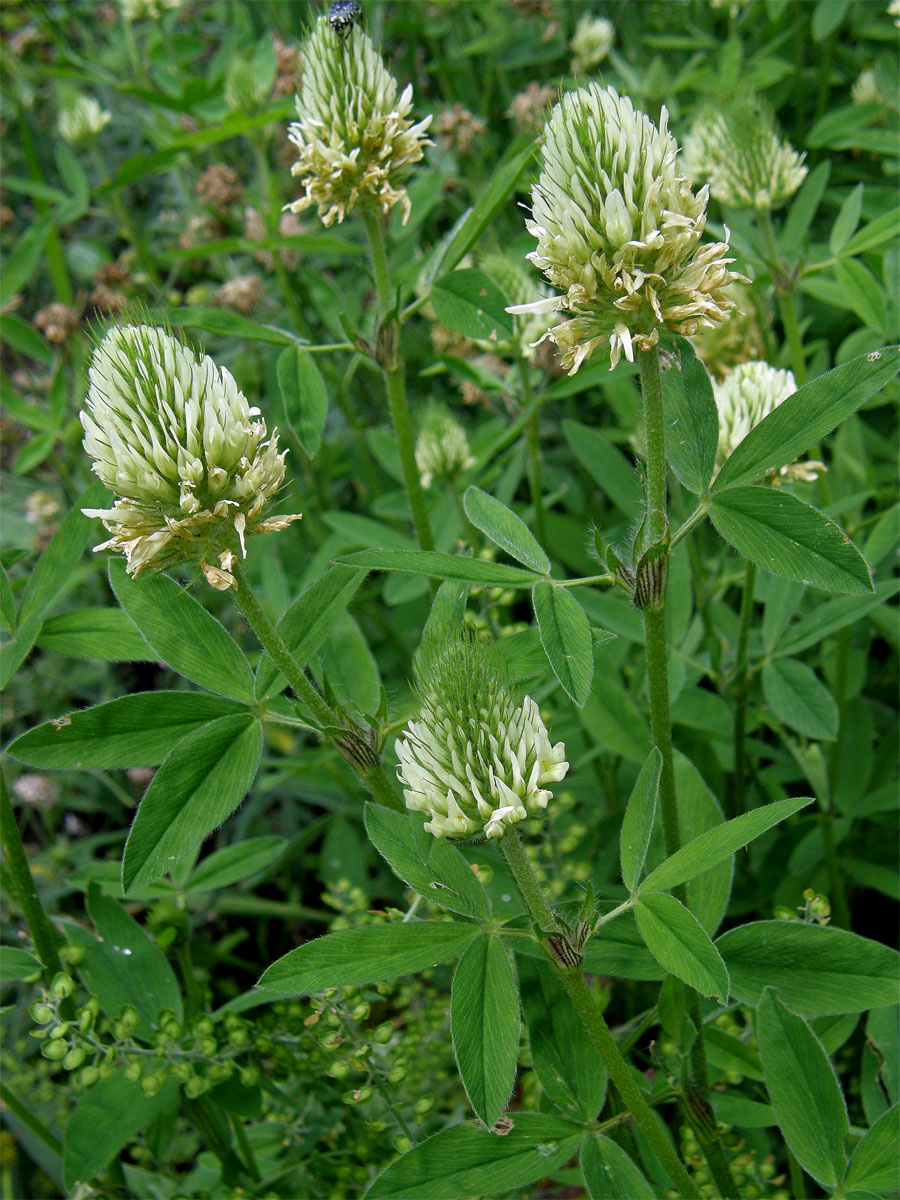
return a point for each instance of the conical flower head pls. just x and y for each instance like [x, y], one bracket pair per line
[744, 397]
[175, 439]
[740, 152]
[442, 448]
[618, 231]
[81, 120]
[474, 760]
[354, 133]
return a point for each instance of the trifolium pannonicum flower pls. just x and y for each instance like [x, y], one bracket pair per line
[354, 133]
[744, 397]
[81, 120]
[618, 230]
[592, 41]
[188, 458]
[742, 155]
[474, 760]
[442, 448]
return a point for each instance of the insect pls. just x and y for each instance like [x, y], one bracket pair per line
[343, 15]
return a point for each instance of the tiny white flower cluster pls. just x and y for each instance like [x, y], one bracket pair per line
[740, 153]
[175, 439]
[82, 120]
[619, 230]
[355, 136]
[442, 448]
[592, 41]
[147, 10]
[475, 761]
[744, 397]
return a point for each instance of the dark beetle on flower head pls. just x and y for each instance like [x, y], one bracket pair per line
[343, 15]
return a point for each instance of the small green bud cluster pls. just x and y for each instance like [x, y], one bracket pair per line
[753, 1170]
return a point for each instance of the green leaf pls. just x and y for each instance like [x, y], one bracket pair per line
[104, 1120]
[832, 615]
[14, 652]
[505, 529]
[349, 666]
[804, 1091]
[34, 452]
[133, 731]
[618, 951]
[233, 863]
[353, 957]
[804, 208]
[441, 566]
[863, 294]
[876, 1160]
[691, 418]
[719, 843]
[678, 942]
[465, 1161]
[484, 1022]
[101, 633]
[807, 416]
[847, 220]
[7, 603]
[637, 824]
[784, 535]
[225, 323]
[818, 970]
[22, 337]
[16, 963]
[797, 697]
[182, 633]
[307, 623]
[470, 303]
[304, 396]
[565, 1061]
[876, 233]
[607, 466]
[566, 638]
[735, 1109]
[434, 868]
[56, 565]
[201, 782]
[20, 264]
[827, 16]
[609, 1174]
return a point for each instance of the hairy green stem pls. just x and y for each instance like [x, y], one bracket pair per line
[661, 725]
[572, 979]
[372, 773]
[391, 359]
[533, 450]
[43, 933]
[737, 793]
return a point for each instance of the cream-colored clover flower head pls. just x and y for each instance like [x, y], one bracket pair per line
[81, 121]
[147, 10]
[177, 442]
[442, 448]
[246, 90]
[744, 397]
[592, 41]
[474, 760]
[894, 11]
[865, 89]
[740, 152]
[354, 133]
[619, 230]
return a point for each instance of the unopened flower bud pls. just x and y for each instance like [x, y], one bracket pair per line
[442, 448]
[81, 121]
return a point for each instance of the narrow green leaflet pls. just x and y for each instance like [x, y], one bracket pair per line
[202, 782]
[607, 466]
[678, 942]
[876, 1160]
[637, 824]
[566, 638]
[804, 1091]
[818, 970]
[723, 841]
[234, 863]
[353, 957]
[807, 416]
[16, 963]
[14, 652]
[54, 570]
[484, 1023]
[618, 950]
[434, 868]
[105, 1119]
[102, 633]
[465, 1161]
[307, 623]
[798, 697]
[505, 529]
[784, 535]
[847, 220]
[304, 396]
[182, 633]
[831, 615]
[441, 566]
[609, 1174]
[133, 731]
[565, 1061]
[470, 303]
[691, 418]
[7, 603]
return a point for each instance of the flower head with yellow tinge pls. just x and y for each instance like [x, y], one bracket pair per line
[175, 439]
[442, 448]
[618, 231]
[474, 760]
[354, 134]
